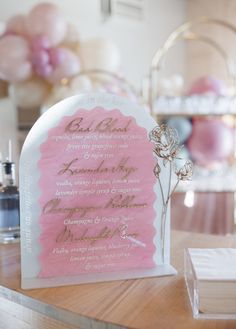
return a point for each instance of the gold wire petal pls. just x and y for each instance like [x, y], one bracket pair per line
[185, 172]
[157, 170]
[166, 142]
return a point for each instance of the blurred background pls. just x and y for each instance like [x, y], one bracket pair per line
[182, 73]
[138, 27]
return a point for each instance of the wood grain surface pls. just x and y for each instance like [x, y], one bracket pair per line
[157, 303]
[212, 213]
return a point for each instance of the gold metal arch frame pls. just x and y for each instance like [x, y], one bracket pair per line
[184, 32]
[176, 34]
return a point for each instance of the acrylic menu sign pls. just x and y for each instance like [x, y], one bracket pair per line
[90, 203]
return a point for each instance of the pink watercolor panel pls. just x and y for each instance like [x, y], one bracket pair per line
[97, 198]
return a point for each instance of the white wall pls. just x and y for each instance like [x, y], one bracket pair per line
[138, 40]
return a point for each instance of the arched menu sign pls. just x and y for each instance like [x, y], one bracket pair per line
[90, 202]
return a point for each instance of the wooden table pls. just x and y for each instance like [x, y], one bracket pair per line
[212, 213]
[158, 303]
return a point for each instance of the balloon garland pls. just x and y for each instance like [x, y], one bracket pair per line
[40, 51]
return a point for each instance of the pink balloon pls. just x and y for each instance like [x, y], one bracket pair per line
[68, 68]
[57, 56]
[40, 58]
[44, 71]
[16, 25]
[40, 42]
[15, 56]
[211, 141]
[208, 84]
[47, 19]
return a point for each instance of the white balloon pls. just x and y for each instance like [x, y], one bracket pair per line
[29, 94]
[177, 80]
[58, 93]
[100, 53]
[164, 86]
[177, 83]
[68, 68]
[81, 84]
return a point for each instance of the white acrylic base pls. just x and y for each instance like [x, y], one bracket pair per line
[161, 270]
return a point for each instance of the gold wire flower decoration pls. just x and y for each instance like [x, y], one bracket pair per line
[166, 150]
[166, 142]
[185, 172]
